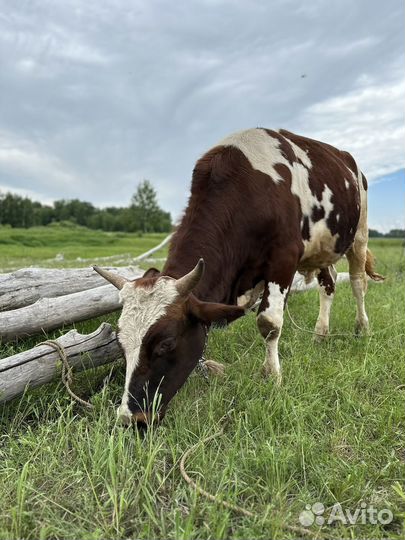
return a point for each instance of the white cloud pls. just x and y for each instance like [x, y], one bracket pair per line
[21, 159]
[97, 95]
[368, 122]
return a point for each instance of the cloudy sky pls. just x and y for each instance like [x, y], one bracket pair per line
[97, 95]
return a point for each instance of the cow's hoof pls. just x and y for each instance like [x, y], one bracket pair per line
[361, 328]
[267, 373]
[320, 334]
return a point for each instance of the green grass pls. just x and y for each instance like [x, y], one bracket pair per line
[40, 245]
[333, 432]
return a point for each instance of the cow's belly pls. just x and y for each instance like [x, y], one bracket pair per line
[319, 250]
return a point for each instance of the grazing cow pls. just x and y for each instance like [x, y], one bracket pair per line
[264, 204]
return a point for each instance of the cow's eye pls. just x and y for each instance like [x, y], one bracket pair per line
[165, 347]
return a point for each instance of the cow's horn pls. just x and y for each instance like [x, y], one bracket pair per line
[115, 279]
[187, 283]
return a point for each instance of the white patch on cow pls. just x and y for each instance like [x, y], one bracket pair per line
[274, 314]
[263, 153]
[276, 304]
[319, 249]
[300, 153]
[260, 149]
[337, 218]
[325, 304]
[347, 184]
[142, 307]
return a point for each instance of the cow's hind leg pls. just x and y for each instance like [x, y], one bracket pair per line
[271, 311]
[326, 280]
[357, 256]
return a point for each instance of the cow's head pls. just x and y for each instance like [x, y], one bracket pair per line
[162, 332]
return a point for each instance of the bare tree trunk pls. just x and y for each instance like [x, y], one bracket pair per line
[41, 364]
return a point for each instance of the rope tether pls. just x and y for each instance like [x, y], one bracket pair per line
[67, 370]
[215, 499]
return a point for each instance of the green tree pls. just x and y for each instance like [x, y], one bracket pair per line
[145, 207]
[396, 233]
[143, 214]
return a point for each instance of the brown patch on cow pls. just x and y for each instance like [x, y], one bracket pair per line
[306, 235]
[152, 272]
[321, 258]
[326, 281]
[349, 160]
[284, 146]
[234, 214]
[145, 282]
[267, 329]
[318, 213]
[284, 172]
[364, 180]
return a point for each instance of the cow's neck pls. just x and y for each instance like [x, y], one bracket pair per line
[219, 276]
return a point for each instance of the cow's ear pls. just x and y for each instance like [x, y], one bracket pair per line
[152, 272]
[210, 312]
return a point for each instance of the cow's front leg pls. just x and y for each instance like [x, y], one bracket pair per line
[270, 318]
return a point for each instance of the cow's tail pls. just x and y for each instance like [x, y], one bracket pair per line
[370, 261]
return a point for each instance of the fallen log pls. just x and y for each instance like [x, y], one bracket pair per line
[50, 313]
[154, 249]
[26, 286]
[41, 364]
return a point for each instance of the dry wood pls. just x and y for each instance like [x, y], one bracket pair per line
[42, 364]
[50, 313]
[26, 286]
[154, 249]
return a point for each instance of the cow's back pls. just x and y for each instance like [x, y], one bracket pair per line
[275, 187]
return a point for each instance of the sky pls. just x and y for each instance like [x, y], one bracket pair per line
[95, 96]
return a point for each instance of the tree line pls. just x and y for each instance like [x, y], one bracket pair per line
[393, 233]
[142, 215]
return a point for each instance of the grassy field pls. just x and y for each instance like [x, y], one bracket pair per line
[333, 432]
[40, 246]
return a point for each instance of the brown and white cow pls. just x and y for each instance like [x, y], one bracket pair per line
[264, 204]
